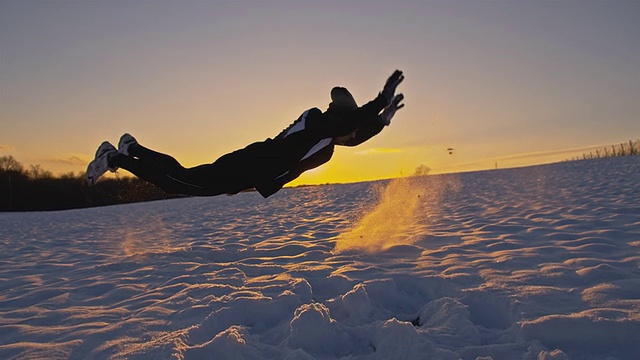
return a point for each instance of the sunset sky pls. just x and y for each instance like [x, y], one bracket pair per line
[507, 82]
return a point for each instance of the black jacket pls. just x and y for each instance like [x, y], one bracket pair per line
[305, 144]
[309, 141]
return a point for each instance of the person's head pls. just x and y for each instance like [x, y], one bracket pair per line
[341, 99]
[342, 102]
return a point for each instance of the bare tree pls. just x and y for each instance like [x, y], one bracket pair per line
[9, 163]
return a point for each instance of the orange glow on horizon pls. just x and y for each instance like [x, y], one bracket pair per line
[198, 80]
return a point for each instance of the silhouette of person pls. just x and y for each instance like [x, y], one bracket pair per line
[266, 165]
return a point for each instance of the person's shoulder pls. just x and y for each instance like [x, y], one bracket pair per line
[314, 111]
[310, 113]
[313, 115]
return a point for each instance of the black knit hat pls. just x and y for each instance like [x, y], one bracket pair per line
[341, 98]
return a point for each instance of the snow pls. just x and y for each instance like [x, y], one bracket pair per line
[539, 263]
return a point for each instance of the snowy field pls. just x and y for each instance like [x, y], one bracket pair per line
[532, 263]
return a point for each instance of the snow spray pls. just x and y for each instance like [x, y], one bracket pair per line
[390, 222]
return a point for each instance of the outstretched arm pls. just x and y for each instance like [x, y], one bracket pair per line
[390, 110]
[392, 83]
[363, 134]
[365, 118]
[386, 96]
[372, 129]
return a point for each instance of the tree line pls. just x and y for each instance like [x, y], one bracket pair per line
[36, 189]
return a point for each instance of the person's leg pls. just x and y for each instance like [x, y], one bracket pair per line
[231, 173]
[172, 180]
[165, 172]
[129, 146]
[164, 161]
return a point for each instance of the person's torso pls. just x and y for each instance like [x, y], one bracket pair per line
[303, 139]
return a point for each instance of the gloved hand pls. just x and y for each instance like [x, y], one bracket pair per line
[390, 110]
[392, 83]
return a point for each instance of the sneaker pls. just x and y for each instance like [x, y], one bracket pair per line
[100, 164]
[125, 143]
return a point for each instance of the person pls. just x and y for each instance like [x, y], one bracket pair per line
[265, 166]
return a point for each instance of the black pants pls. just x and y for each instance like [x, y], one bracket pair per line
[230, 174]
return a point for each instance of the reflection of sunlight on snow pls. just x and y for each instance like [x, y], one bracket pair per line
[390, 222]
[149, 237]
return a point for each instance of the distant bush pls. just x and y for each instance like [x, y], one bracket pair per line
[421, 170]
[623, 149]
[38, 189]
